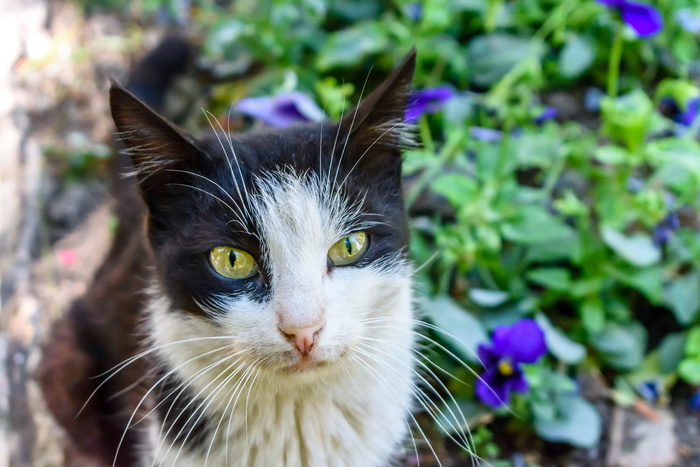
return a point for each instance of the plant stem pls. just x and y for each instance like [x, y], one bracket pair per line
[425, 135]
[492, 11]
[614, 64]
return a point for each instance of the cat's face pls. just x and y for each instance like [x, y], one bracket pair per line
[286, 247]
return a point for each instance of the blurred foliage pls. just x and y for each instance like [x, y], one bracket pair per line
[588, 222]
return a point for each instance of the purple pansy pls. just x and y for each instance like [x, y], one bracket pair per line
[688, 116]
[644, 19]
[663, 231]
[427, 101]
[281, 110]
[510, 346]
[548, 113]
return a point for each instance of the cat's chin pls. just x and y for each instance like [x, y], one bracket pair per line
[305, 365]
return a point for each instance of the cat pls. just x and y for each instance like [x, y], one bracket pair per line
[278, 327]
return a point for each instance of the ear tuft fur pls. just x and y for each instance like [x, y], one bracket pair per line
[154, 143]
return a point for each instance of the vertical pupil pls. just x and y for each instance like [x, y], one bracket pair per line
[232, 258]
[348, 245]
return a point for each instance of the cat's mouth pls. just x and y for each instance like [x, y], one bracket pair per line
[304, 364]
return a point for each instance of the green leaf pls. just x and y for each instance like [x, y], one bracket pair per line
[535, 149]
[612, 155]
[463, 331]
[637, 249]
[564, 248]
[492, 56]
[348, 46]
[356, 10]
[542, 407]
[488, 298]
[535, 225]
[457, 189]
[593, 315]
[508, 314]
[576, 56]
[689, 370]
[621, 346]
[558, 344]
[626, 119]
[648, 281]
[578, 423]
[683, 297]
[671, 352]
[551, 278]
[692, 344]
[623, 393]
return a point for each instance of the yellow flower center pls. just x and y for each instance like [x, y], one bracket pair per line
[505, 367]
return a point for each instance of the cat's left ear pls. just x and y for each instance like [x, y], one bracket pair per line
[377, 127]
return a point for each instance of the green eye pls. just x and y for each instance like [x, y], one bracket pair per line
[349, 249]
[232, 262]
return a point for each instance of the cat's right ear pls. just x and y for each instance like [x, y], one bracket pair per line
[158, 148]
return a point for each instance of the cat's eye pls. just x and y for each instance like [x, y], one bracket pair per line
[232, 262]
[349, 249]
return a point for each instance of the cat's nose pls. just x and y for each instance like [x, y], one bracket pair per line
[302, 338]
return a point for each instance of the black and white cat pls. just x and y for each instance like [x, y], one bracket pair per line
[281, 303]
[279, 319]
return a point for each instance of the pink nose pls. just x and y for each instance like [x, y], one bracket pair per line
[302, 338]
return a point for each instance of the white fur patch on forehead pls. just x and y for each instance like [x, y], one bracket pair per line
[302, 216]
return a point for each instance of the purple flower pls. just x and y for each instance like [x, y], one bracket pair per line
[644, 19]
[510, 346]
[651, 390]
[414, 10]
[663, 231]
[548, 113]
[695, 401]
[282, 110]
[688, 116]
[427, 101]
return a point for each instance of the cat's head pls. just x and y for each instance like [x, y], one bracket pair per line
[285, 247]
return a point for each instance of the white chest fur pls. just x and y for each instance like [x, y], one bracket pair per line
[354, 414]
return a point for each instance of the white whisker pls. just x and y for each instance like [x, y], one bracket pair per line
[120, 366]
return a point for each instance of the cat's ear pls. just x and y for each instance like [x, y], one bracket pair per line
[378, 123]
[158, 148]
